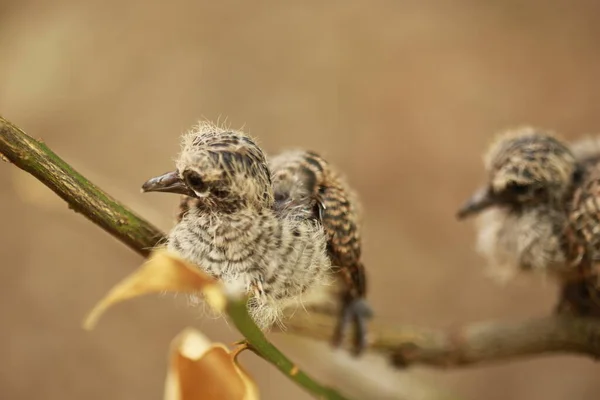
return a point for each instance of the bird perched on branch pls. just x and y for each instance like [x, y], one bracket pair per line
[540, 212]
[305, 182]
[229, 228]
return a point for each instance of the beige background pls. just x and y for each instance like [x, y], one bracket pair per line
[403, 95]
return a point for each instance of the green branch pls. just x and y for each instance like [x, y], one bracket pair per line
[259, 344]
[81, 195]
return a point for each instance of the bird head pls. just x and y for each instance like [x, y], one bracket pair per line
[223, 169]
[292, 179]
[525, 167]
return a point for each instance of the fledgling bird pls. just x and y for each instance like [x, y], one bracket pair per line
[305, 182]
[228, 226]
[540, 212]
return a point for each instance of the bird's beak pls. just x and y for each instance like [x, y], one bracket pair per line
[481, 199]
[168, 183]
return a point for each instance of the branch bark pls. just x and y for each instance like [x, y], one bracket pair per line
[473, 344]
[470, 345]
[81, 195]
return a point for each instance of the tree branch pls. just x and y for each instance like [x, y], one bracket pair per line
[470, 345]
[81, 195]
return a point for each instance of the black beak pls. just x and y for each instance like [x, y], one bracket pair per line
[168, 183]
[481, 199]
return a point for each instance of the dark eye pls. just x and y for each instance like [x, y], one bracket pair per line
[517, 188]
[280, 197]
[194, 181]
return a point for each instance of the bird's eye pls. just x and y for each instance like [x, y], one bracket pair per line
[279, 197]
[518, 188]
[194, 181]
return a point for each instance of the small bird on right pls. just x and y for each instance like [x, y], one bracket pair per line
[540, 212]
[306, 184]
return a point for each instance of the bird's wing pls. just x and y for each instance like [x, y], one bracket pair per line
[340, 218]
[583, 230]
[304, 178]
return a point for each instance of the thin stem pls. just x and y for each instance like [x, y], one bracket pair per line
[81, 195]
[260, 345]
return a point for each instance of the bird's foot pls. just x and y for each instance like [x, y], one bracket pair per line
[320, 207]
[256, 287]
[355, 311]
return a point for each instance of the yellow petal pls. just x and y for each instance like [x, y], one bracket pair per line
[200, 369]
[162, 272]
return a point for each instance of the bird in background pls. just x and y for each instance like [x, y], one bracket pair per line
[305, 183]
[540, 212]
[230, 226]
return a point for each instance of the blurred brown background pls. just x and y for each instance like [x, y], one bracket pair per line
[403, 95]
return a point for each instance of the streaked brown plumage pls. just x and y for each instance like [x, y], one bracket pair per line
[303, 180]
[540, 212]
[581, 294]
[227, 225]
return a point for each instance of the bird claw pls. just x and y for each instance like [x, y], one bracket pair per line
[320, 204]
[356, 311]
[257, 288]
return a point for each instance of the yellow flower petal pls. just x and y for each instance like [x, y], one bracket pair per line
[200, 369]
[162, 272]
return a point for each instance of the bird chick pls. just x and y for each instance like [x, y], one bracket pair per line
[229, 229]
[530, 176]
[538, 211]
[304, 183]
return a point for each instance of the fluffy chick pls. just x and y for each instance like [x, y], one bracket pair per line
[304, 183]
[539, 212]
[229, 229]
